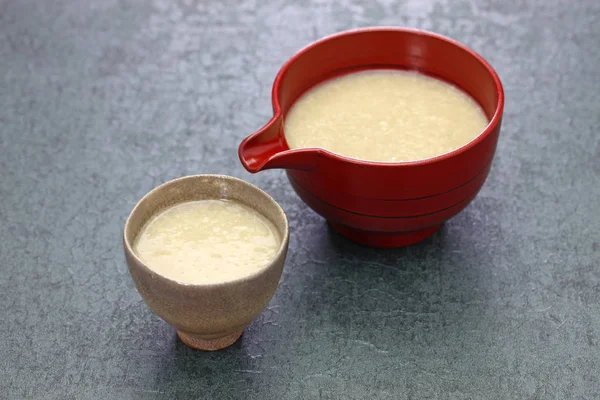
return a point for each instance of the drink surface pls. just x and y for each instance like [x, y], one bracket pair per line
[207, 241]
[384, 115]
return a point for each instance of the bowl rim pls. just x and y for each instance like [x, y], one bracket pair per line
[282, 246]
[492, 124]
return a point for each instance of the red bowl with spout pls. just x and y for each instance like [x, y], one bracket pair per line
[381, 204]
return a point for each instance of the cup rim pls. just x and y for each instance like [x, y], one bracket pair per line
[282, 247]
[492, 124]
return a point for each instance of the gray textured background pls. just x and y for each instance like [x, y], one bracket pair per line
[101, 101]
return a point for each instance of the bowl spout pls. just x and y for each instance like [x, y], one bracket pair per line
[267, 149]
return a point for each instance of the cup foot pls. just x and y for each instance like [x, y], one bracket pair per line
[383, 239]
[199, 343]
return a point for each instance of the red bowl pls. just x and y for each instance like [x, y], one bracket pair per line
[377, 203]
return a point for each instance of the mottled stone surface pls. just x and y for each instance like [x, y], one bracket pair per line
[102, 100]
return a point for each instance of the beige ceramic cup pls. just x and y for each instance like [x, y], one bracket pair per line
[206, 316]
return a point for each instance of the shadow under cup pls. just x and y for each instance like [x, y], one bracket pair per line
[375, 203]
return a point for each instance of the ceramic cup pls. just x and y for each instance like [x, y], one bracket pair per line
[206, 316]
[381, 204]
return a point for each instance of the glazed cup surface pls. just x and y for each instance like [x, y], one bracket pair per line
[206, 316]
[376, 197]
